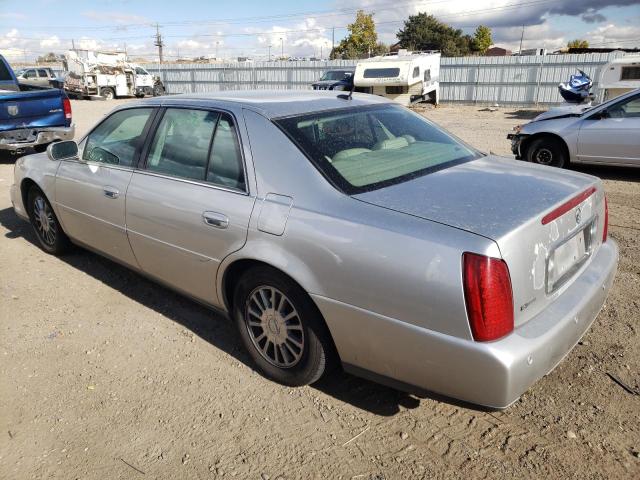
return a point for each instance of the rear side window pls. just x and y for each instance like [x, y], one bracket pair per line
[116, 140]
[43, 73]
[198, 145]
[181, 143]
[381, 72]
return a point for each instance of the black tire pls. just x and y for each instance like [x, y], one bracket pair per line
[139, 95]
[41, 148]
[158, 90]
[317, 354]
[107, 93]
[547, 151]
[52, 238]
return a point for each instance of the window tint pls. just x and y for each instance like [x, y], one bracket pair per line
[30, 74]
[4, 71]
[116, 139]
[627, 109]
[181, 143]
[398, 146]
[416, 72]
[381, 72]
[225, 168]
[43, 73]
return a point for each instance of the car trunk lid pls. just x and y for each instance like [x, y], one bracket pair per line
[506, 201]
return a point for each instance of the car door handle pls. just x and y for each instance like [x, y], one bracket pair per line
[215, 219]
[111, 192]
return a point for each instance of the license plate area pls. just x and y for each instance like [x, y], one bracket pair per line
[567, 257]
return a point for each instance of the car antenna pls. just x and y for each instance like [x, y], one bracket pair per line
[348, 97]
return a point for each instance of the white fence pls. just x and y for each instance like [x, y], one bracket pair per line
[506, 80]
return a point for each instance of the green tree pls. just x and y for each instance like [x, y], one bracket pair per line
[425, 32]
[482, 39]
[577, 43]
[362, 40]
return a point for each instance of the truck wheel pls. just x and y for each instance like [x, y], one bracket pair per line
[158, 90]
[546, 151]
[107, 93]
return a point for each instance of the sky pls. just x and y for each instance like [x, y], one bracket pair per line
[297, 28]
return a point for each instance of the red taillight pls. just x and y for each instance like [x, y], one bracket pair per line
[66, 107]
[565, 207]
[605, 229]
[488, 295]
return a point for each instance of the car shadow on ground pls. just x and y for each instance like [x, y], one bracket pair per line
[214, 327]
[523, 114]
[607, 172]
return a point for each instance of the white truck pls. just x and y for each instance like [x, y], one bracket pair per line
[108, 75]
[406, 77]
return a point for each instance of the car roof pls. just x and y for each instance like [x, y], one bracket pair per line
[271, 103]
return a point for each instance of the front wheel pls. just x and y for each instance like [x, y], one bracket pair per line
[52, 238]
[547, 151]
[281, 328]
[107, 93]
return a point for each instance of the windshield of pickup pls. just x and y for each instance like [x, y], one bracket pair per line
[336, 75]
[364, 148]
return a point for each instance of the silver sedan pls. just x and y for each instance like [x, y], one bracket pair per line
[338, 230]
[605, 134]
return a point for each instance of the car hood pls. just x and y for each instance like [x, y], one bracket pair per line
[329, 83]
[563, 112]
[490, 196]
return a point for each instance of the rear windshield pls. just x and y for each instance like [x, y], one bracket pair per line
[365, 148]
[381, 72]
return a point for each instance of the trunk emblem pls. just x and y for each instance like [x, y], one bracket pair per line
[12, 110]
[578, 216]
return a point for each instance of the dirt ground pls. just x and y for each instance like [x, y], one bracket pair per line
[106, 375]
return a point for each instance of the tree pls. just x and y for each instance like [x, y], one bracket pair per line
[482, 39]
[425, 32]
[50, 58]
[362, 40]
[577, 43]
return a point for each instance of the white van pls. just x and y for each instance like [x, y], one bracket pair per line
[406, 77]
[619, 76]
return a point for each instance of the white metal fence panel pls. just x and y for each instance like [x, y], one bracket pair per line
[505, 80]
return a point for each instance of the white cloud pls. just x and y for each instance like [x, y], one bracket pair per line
[50, 42]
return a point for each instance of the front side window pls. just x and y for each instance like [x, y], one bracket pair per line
[141, 71]
[629, 108]
[365, 148]
[116, 140]
[381, 72]
[43, 73]
[30, 74]
[198, 145]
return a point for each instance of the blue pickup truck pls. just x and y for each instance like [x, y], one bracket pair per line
[33, 118]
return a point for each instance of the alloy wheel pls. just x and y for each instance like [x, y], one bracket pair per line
[274, 326]
[44, 220]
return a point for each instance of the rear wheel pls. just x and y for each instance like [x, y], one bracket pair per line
[547, 151]
[52, 238]
[107, 93]
[281, 328]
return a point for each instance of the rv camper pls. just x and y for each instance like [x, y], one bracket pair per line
[107, 75]
[619, 76]
[406, 77]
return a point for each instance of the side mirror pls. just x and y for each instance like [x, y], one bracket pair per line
[62, 150]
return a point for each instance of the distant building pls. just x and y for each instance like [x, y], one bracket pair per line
[497, 52]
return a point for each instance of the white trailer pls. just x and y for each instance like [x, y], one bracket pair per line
[406, 77]
[619, 76]
[108, 75]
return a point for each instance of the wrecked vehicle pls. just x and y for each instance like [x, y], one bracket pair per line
[108, 75]
[607, 133]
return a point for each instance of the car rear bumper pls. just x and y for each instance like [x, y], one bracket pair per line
[493, 374]
[30, 137]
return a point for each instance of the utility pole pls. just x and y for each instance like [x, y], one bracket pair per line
[281, 48]
[333, 40]
[158, 43]
[521, 38]
[217, 43]
[269, 52]
[73, 45]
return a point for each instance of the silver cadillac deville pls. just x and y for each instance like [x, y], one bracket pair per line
[338, 230]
